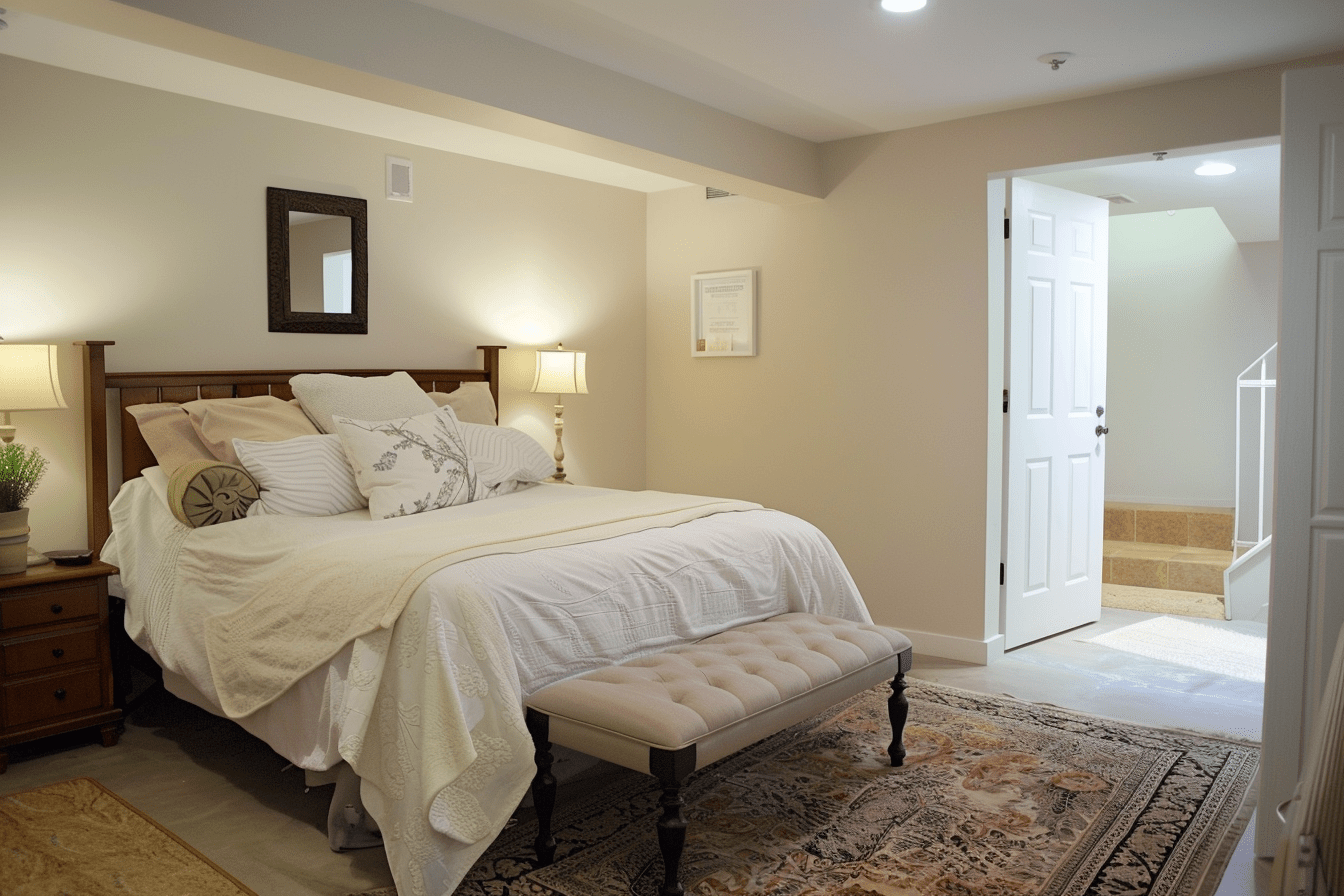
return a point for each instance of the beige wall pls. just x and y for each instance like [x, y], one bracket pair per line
[139, 216]
[1188, 313]
[870, 409]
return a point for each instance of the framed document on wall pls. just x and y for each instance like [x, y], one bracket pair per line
[723, 314]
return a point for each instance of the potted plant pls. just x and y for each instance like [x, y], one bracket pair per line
[21, 470]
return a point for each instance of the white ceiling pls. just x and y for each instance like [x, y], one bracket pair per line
[1247, 200]
[826, 69]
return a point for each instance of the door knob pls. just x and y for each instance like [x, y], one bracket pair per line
[1102, 430]
[1100, 410]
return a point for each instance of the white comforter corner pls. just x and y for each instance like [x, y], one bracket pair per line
[428, 712]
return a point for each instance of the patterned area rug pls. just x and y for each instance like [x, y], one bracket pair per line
[997, 798]
[77, 837]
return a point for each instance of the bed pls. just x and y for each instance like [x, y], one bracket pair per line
[398, 641]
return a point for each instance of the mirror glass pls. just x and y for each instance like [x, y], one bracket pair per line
[317, 262]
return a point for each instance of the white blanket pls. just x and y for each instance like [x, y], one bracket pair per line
[428, 712]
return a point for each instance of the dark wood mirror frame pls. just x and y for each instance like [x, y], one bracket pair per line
[283, 319]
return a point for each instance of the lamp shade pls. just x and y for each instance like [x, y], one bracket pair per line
[561, 372]
[29, 378]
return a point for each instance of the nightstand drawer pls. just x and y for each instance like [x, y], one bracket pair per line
[52, 697]
[67, 647]
[49, 605]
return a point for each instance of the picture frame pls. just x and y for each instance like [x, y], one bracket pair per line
[723, 314]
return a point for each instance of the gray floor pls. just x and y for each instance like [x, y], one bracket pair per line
[229, 796]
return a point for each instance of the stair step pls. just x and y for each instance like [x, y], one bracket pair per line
[1196, 527]
[1164, 566]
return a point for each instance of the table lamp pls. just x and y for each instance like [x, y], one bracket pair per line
[563, 373]
[29, 381]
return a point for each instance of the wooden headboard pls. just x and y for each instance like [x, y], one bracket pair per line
[184, 386]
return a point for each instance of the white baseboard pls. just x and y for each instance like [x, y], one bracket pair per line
[966, 650]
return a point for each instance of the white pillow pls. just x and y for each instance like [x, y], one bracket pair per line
[503, 455]
[471, 402]
[324, 395]
[409, 464]
[305, 476]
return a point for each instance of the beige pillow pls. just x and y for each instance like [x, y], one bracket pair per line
[258, 418]
[205, 492]
[359, 397]
[167, 430]
[471, 402]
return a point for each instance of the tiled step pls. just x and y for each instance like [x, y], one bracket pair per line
[1196, 527]
[1164, 566]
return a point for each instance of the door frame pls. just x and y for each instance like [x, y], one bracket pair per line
[996, 448]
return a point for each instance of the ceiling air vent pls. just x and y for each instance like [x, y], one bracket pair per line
[716, 193]
[1118, 199]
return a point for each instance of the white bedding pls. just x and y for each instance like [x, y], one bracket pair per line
[475, 639]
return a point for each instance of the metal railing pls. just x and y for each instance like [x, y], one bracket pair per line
[1255, 451]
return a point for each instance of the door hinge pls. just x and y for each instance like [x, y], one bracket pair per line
[1007, 229]
[1005, 401]
[1003, 578]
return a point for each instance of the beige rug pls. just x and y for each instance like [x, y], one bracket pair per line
[1189, 643]
[997, 798]
[77, 837]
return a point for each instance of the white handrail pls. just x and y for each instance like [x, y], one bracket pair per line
[1261, 375]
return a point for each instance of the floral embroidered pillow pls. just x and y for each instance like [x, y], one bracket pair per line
[409, 464]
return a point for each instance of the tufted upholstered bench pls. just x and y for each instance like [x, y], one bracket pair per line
[678, 710]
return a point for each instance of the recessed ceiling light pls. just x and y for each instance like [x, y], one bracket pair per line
[1215, 169]
[903, 5]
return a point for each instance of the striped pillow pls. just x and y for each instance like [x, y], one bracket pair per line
[502, 455]
[304, 476]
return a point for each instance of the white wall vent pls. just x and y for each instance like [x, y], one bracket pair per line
[716, 193]
[399, 179]
[1118, 199]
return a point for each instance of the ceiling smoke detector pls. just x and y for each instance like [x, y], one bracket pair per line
[1055, 60]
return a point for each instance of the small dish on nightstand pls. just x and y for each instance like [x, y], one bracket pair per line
[71, 558]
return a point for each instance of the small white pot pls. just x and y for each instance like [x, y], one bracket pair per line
[14, 541]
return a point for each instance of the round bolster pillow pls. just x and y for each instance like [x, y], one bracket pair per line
[205, 492]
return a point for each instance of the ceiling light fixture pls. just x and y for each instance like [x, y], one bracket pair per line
[1055, 60]
[903, 5]
[1215, 169]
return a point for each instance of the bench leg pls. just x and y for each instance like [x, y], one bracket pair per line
[898, 708]
[543, 785]
[671, 769]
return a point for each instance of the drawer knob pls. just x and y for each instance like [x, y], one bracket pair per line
[56, 608]
[60, 693]
[58, 652]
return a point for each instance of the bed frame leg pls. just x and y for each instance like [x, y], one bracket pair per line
[543, 785]
[898, 708]
[671, 769]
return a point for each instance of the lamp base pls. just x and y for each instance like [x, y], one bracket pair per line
[36, 559]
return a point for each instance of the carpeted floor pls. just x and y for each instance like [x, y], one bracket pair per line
[997, 797]
[78, 837]
[1161, 600]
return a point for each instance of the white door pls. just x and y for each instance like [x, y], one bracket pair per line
[1054, 478]
[1306, 601]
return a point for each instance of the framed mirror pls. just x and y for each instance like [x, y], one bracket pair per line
[317, 249]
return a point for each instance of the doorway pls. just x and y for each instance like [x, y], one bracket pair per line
[1194, 294]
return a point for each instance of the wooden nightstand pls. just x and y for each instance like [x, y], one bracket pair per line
[55, 654]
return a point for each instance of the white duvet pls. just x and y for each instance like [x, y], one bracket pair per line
[428, 712]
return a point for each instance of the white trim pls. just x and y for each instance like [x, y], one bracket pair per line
[966, 650]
